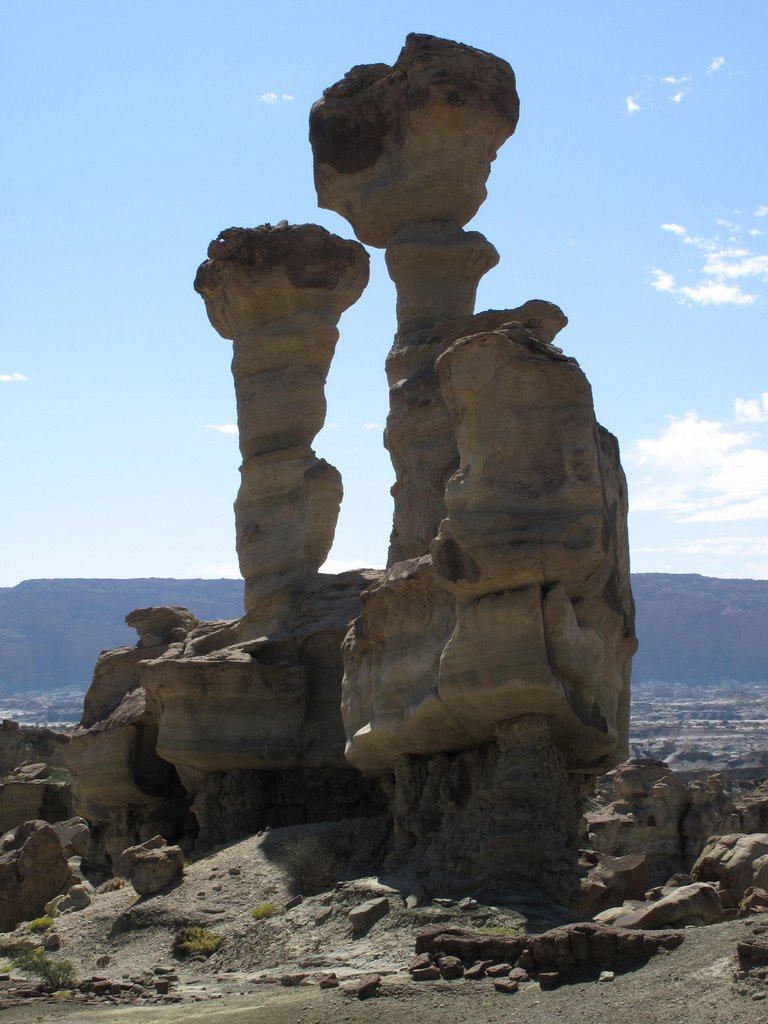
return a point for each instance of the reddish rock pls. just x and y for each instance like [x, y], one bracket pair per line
[450, 967]
[505, 985]
[549, 980]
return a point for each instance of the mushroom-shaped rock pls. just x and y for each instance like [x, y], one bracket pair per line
[415, 141]
[278, 293]
[157, 626]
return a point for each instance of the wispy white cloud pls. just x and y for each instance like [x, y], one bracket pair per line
[761, 211]
[716, 64]
[663, 282]
[223, 428]
[12, 378]
[755, 232]
[723, 264]
[671, 80]
[716, 293]
[632, 104]
[700, 471]
[751, 410]
[372, 426]
[678, 97]
[275, 97]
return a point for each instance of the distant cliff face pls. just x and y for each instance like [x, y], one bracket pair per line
[692, 629]
[52, 631]
[698, 630]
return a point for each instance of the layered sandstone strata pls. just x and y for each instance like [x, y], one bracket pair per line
[503, 626]
[403, 153]
[118, 780]
[278, 293]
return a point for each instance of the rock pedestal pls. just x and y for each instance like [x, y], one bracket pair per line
[278, 294]
[505, 612]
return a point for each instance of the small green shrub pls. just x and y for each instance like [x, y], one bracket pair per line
[263, 910]
[40, 924]
[499, 929]
[190, 941]
[308, 864]
[55, 974]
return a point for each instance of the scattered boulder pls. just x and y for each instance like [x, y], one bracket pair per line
[362, 918]
[611, 880]
[754, 901]
[73, 834]
[78, 897]
[153, 866]
[364, 987]
[33, 869]
[697, 904]
[738, 862]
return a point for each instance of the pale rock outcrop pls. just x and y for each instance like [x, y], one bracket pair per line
[498, 643]
[74, 835]
[244, 716]
[687, 905]
[611, 880]
[153, 865]
[33, 869]
[25, 798]
[737, 862]
[77, 897]
[254, 729]
[22, 744]
[119, 782]
[659, 815]
[278, 293]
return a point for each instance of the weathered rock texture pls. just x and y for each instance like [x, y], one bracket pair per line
[28, 793]
[33, 869]
[415, 141]
[660, 816]
[278, 294]
[244, 716]
[153, 865]
[21, 744]
[569, 947]
[119, 781]
[496, 649]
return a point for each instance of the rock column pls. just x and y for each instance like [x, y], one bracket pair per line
[278, 293]
[403, 153]
[495, 651]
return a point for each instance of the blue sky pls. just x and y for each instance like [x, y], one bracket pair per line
[634, 194]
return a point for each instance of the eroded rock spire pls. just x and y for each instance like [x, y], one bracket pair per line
[278, 294]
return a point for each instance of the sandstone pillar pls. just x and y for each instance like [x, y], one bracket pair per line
[489, 667]
[403, 153]
[278, 293]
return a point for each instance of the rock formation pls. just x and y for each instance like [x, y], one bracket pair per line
[486, 672]
[30, 793]
[244, 717]
[495, 652]
[119, 781]
[33, 869]
[278, 294]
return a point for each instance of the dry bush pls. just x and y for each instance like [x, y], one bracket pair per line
[308, 864]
